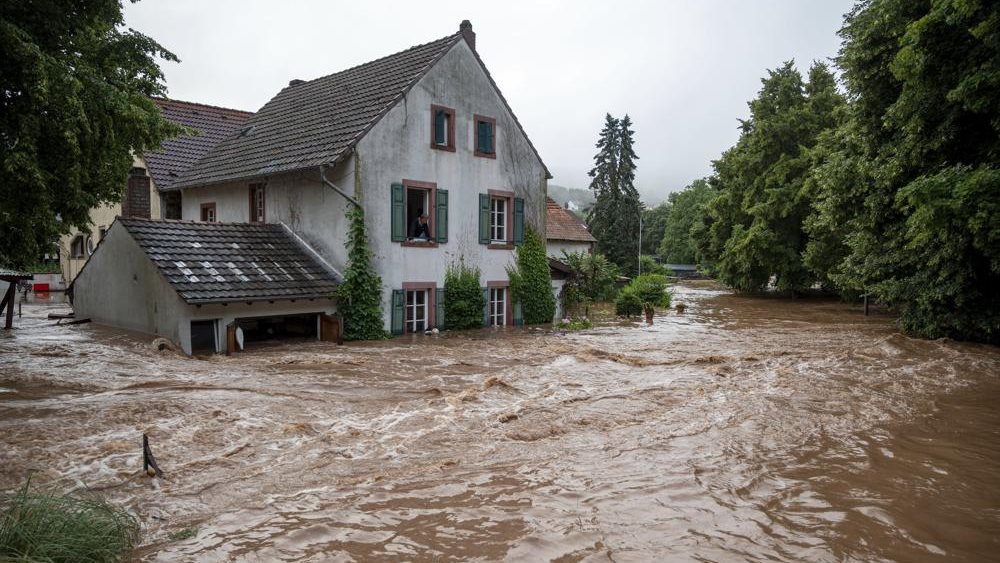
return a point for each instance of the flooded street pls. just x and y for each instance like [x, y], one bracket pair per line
[743, 429]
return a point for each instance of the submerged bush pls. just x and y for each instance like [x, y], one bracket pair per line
[41, 525]
[531, 280]
[644, 293]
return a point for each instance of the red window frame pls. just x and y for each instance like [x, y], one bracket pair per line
[254, 190]
[508, 218]
[493, 123]
[449, 128]
[431, 210]
[430, 303]
[508, 315]
[205, 208]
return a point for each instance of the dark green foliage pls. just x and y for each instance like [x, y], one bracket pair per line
[41, 525]
[644, 293]
[463, 297]
[76, 103]
[684, 212]
[531, 281]
[654, 221]
[592, 279]
[614, 217]
[754, 228]
[916, 191]
[651, 266]
[628, 304]
[359, 298]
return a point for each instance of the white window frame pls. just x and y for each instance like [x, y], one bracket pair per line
[498, 229]
[412, 323]
[498, 306]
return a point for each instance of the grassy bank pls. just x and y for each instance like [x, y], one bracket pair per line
[43, 525]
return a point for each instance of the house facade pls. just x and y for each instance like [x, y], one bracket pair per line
[146, 191]
[424, 132]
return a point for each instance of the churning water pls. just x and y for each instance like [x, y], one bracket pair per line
[741, 429]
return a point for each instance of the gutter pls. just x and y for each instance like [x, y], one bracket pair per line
[331, 185]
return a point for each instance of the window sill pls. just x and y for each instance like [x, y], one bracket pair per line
[492, 155]
[500, 246]
[420, 243]
[446, 148]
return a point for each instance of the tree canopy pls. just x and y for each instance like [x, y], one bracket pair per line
[891, 189]
[684, 211]
[75, 105]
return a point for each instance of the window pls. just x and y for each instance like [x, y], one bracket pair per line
[497, 306]
[256, 203]
[416, 310]
[208, 212]
[170, 202]
[498, 219]
[442, 128]
[501, 219]
[102, 232]
[412, 200]
[77, 247]
[486, 136]
[418, 219]
[416, 307]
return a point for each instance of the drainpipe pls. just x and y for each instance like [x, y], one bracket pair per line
[331, 185]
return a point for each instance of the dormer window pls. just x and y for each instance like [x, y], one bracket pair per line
[486, 136]
[442, 128]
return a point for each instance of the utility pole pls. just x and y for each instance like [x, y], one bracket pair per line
[640, 240]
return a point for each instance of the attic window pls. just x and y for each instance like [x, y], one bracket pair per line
[486, 136]
[442, 128]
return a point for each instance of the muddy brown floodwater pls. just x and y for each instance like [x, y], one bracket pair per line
[739, 430]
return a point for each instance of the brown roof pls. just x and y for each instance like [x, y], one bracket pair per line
[317, 122]
[232, 262]
[178, 154]
[562, 224]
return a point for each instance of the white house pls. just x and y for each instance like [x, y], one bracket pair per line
[423, 131]
[565, 232]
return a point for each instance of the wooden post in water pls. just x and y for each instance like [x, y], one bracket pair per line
[148, 461]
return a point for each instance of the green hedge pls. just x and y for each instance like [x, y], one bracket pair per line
[463, 297]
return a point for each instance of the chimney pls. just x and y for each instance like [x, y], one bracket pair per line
[465, 28]
[296, 82]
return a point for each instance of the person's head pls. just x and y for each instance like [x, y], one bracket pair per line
[423, 218]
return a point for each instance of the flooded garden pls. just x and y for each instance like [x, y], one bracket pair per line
[741, 429]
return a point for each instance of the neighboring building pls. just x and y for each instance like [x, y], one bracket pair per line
[565, 232]
[194, 283]
[423, 131]
[147, 193]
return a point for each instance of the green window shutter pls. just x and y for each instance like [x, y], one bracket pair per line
[484, 219]
[398, 314]
[484, 135]
[518, 220]
[441, 216]
[439, 307]
[440, 127]
[518, 314]
[486, 306]
[398, 213]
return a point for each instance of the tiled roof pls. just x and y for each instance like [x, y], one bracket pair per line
[562, 224]
[231, 262]
[14, 275]
[178, 154]
[314, 122]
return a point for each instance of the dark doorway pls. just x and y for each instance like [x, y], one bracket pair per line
[203, 337]
[262, 329]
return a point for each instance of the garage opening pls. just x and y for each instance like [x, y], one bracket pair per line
[292, 327]
[203, 336]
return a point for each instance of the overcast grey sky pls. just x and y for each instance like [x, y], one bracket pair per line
[683, 70]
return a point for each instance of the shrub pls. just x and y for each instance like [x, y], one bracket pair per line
[593, 278]
[359, 298]
[575, 324]
[644, 293]
[628, 304]
[651, 266]
[39, 525]
[531, 280]
[463, 298]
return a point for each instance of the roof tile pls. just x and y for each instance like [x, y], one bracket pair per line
[562, 224]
